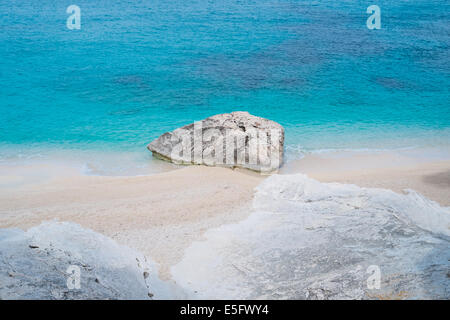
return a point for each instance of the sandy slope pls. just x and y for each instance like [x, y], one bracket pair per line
[159, 215]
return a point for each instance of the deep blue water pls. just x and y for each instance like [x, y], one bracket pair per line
[139, 68]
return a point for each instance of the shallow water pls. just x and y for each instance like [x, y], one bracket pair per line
[138, 69]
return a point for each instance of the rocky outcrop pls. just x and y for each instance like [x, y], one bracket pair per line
[236, 139]
[62, 260]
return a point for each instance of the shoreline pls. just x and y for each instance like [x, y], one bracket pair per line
[393, 170]
[163, 214]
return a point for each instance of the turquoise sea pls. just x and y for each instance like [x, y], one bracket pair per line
[137, 69]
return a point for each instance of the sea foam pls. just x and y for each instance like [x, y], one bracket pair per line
[312, 240]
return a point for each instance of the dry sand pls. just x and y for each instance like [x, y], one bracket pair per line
[389, 170]
[162, 214]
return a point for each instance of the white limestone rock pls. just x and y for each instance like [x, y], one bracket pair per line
[236, 139]
[63, 261]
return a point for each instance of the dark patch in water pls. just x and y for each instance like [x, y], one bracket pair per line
[391, 83]
[131, 80]
[125, 112]
[299, 57]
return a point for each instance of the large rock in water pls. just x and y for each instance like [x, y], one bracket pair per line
[236, 139]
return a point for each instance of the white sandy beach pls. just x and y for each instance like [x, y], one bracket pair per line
[158, 215]
[163, 214]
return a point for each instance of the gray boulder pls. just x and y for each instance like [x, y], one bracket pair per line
[236, 139]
